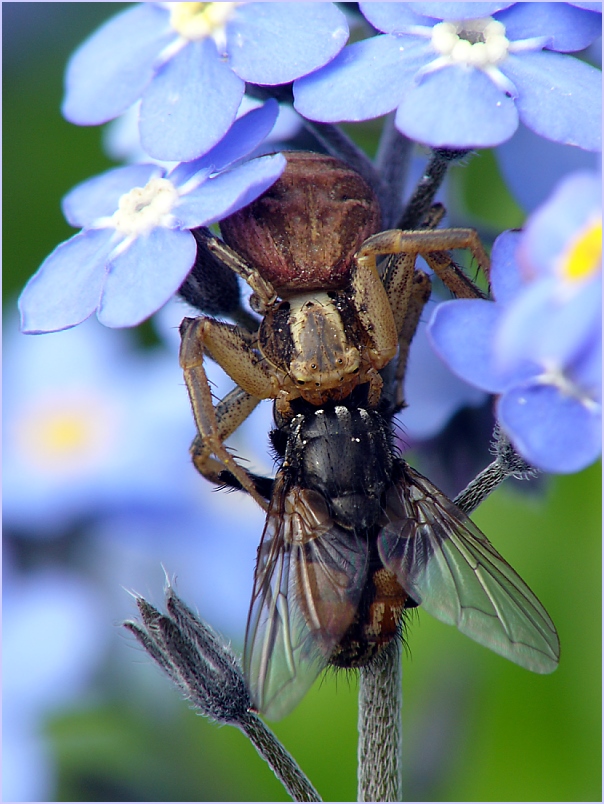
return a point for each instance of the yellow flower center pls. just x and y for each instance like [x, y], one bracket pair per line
[195, 21]
[67, 435]
[583, 257]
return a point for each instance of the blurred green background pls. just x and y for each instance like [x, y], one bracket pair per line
[476, 728]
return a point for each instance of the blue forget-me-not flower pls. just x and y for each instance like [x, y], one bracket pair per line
[189, 63]
[462, 75]
[539, 344]
[135, 248]
[93, 426]
[55, 640]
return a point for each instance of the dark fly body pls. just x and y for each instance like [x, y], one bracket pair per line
[354, 536]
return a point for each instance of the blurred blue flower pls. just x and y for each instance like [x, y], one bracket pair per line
[92, 426]
[432, 392]
[53, 641]
[539, 345]
[189, 63]
[208, 537]
[135, 248]
[532, 166]
[97, 435]
[461, 75]
[210, 547]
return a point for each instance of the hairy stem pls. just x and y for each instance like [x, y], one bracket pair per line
[507, 463]
[428, 186]
[279, 760]
[206, 670]
[380, 727]
[380, 691]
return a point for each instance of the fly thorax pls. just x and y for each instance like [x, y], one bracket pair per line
[322, 355]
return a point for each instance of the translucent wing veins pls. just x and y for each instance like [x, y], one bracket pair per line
[449, 567]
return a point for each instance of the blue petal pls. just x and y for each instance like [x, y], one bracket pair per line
[586, 371]
[597, 7]
[244, 136]
[457, 107]
[397, 17]
[228, 192]
[98, 197]
[457, 11]
[506, 279]
[365, 80]
[274, 43]
[552, 431]
[432, 392]
[568, 28]
[393, 17]
[532, 166]
[110, 70]
[190, 105]
[145, 276]
[183, 172]
[559, 97]
[538, 327]
[67, 287]
[461, 333]
[550, 230]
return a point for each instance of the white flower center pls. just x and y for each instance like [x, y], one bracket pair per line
[143, 208]
[195, 21]
[479, 44]
[476, 43]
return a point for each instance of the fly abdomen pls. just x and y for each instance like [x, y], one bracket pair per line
[378, 620]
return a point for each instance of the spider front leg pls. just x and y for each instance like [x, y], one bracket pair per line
[407, 289]
[374, 312]
[433, 245]
[388, 310]
[216, 424]
[264, 295]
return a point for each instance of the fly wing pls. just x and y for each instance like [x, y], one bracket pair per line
[443, 561]
[309, 578]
